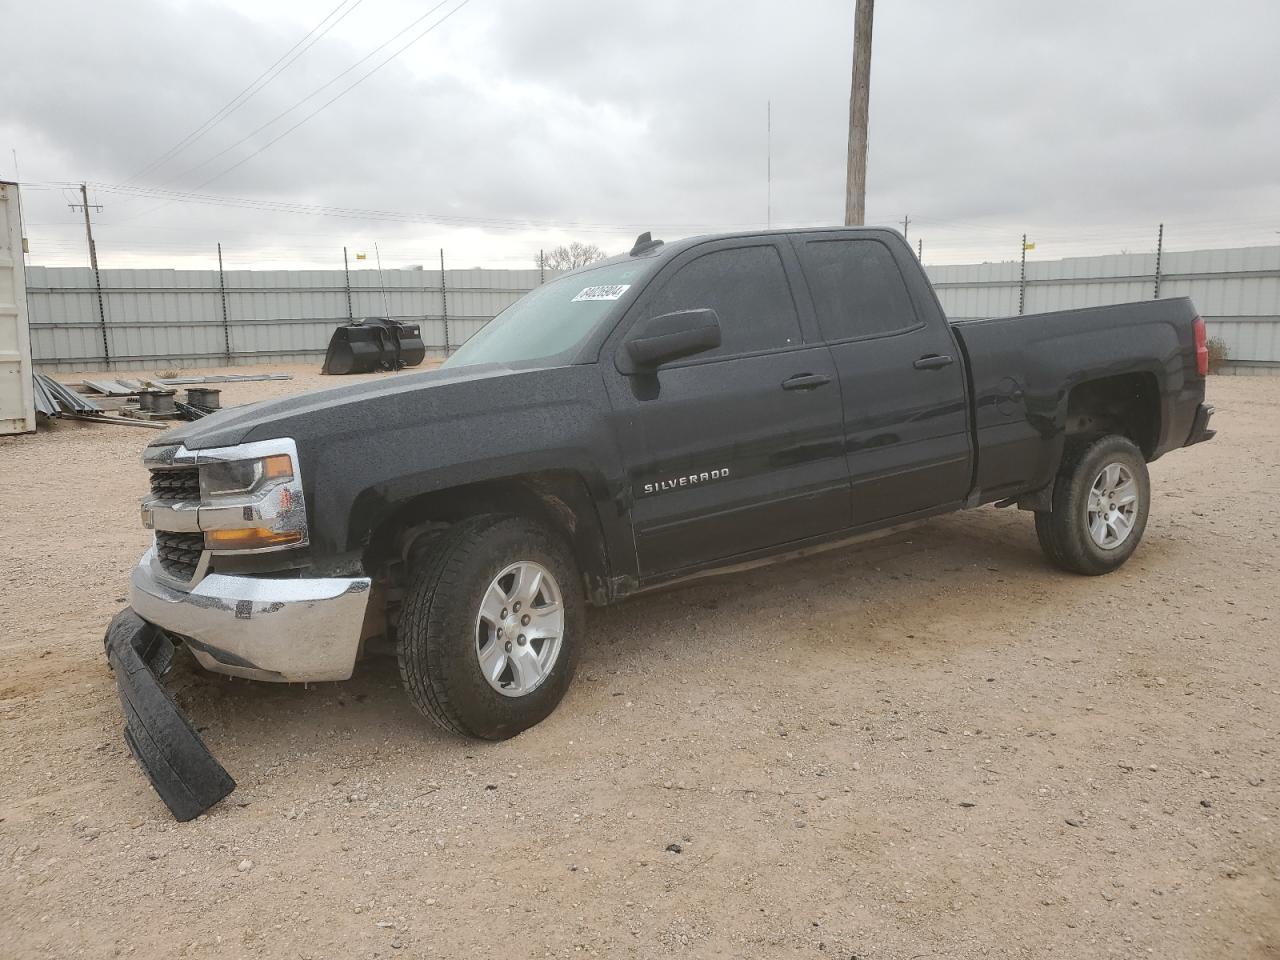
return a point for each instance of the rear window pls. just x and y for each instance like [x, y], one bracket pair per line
[857, 289]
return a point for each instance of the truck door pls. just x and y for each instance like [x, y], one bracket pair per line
[739, 448]
[901, 374]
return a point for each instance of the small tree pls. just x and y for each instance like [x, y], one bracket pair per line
[571, 257]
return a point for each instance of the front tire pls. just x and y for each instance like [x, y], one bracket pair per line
[489, 635]
[1101, 499]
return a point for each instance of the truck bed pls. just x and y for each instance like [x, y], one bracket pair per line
[1022, 369]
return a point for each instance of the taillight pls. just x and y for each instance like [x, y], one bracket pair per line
[1202, 347]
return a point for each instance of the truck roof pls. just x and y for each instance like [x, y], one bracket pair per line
[649, 247]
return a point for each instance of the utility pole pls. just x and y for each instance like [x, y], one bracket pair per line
[542, 268]
[906, 222]
[1159, 250]
[84, 205]
[855, 198]
[920, 249]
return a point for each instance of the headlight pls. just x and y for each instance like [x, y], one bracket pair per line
[251, 503]
[231, 477]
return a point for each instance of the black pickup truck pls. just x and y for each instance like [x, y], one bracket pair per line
[682, 407]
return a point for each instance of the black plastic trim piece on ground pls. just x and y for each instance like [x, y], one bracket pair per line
[184, 773]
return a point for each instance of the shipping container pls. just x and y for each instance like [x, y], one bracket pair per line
[17, 394]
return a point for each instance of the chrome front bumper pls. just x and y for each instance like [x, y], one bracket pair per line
[263, 628]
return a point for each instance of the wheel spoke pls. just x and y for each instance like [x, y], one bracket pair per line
[1098, 529]
[530, 586]
[1095, 500]
[519, 573]
[1121, 525]
[1113, 475]
[1126, 493]
[492, 605]
[493, 660]
[542, 630]
[528, 666]
[550, 610]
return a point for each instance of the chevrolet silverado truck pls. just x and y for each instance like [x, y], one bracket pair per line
[680, 408]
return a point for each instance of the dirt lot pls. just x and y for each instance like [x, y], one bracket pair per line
[932, 746]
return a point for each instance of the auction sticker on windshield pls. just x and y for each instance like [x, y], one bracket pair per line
[608, 292]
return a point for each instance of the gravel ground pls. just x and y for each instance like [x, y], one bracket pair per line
[930, 746]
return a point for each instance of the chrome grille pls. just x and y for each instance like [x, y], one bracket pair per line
[179, 553]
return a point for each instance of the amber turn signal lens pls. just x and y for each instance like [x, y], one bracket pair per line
[249, 538]
[276, 466]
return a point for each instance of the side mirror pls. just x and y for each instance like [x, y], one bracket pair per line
[671, 336]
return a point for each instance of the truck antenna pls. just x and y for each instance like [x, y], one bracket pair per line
[644, 242]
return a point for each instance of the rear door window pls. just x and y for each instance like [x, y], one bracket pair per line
[747, 288]
[857, 289]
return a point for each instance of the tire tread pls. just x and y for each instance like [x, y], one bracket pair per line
[421, 618]
[429, 630]
[1061, 537]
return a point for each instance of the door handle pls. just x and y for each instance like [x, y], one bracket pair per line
[933, 362]
[805, 381]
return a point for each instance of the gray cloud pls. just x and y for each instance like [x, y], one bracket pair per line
[1083, 124]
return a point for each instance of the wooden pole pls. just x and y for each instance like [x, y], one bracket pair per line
[855, 199]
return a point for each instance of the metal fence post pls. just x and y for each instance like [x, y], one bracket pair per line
[346, 272]
[444, 303]
[1159, 250]
[1022, 277]
[226, 323]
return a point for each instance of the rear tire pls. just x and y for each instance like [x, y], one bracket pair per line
[1101, 499]
[462, 618]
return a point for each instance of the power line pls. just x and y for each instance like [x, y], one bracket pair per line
[288, 206]
[254, 87]
[279, 116]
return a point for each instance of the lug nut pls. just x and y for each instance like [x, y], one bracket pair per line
[507, 646]
[524, 621]
[516, 608]
[520, 640]
[504, 613]
[499, 633]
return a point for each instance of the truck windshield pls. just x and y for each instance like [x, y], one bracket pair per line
[553, 318]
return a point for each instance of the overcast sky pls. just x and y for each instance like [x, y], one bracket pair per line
[514, 125]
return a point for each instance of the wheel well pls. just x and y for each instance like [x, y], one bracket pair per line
[1128, 404]
[559, 499]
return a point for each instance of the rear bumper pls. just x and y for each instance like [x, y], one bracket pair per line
[263, 628]
[1200, 431]
[183, 771]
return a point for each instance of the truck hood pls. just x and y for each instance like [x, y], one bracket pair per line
[339, 409]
